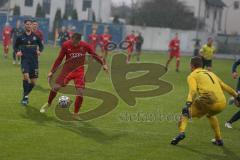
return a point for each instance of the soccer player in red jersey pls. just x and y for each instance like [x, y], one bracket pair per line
[131, 38]
[105, 38]
[174, 51]
[74, 52]
[35, 29]
[6, 34]
[93, 39]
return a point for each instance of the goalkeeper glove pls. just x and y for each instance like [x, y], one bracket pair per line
[185, 110]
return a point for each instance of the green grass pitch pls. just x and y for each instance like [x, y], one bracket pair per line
[25, 134]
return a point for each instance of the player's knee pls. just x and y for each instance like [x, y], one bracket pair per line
[56, 88]
[79, 91]
[186, 112]
[26, 77]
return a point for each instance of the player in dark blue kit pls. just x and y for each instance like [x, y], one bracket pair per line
[28, 46]
[16, 32]
[235, 117]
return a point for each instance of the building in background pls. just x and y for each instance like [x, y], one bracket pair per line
[86, 9]
[210, 13]
[231, 22]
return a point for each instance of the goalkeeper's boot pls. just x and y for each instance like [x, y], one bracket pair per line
[45, 107]
[217, 142]
[25, 101]
[179, 138]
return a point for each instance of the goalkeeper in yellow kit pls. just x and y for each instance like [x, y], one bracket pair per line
[205, 98]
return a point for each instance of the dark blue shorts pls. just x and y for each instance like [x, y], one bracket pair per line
[207, 63]
[30, 67]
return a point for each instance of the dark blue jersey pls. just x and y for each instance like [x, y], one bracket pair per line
[235, 65]
[63, 36]
[29, 45]
[16, 32]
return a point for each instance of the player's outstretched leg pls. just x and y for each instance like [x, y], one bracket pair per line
[14, 57]
[25, 92]
[168, 62]
[177, 64]
[215, 126]
[77, 106]
[6, 50]
[182, 127]
[47, 105]
[235, 118]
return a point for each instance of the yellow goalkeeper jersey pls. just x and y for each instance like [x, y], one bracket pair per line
[208, 87]
[208, 51]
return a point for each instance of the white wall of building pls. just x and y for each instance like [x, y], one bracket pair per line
[158, 38]
[232, 16]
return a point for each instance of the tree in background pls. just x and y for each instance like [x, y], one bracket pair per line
[158, 13]
[16, 11]
[74, 14]
[40, 11]
[3, 2]
[66, 15]
[57, 19]
[122, 11]
[116, 20]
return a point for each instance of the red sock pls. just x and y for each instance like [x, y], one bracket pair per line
[178, 64]
[52, 95]
[78, 103]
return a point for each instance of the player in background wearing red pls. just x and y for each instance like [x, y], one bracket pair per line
[131, 38]
[6, 35]
[93, 39]
[35, 29]
[74, 52]
[174, 51]
[105, 38]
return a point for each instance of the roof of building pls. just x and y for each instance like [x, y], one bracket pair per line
[216, 3]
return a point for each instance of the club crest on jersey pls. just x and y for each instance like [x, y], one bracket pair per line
[29, 42]
[34, 38]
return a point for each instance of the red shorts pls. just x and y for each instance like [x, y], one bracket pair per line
[174, 54]
[77, 76]
[6, 43]
[130, 49]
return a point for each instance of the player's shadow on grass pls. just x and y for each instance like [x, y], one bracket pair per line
[34, 115]
[81, 128]
[89, 131]
[228, 155]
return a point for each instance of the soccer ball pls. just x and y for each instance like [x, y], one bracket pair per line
[64, 101]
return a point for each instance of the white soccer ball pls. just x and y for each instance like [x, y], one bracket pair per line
[64, 101]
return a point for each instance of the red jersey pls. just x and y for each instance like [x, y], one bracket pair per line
[132, 39]
[93, 40]
[39, 34]
[6, 35]
[174, 46]
[105, 39]
[74, 56]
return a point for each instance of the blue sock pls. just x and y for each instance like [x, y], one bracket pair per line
[30, 87]
[238, 85]
[235, 118]
[25, 88]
